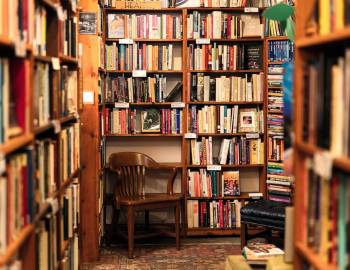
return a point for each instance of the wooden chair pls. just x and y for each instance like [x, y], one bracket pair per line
[129, 195]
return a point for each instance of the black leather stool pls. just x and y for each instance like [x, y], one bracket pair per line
[262, 213]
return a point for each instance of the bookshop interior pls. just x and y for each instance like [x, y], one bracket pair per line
[174, 134]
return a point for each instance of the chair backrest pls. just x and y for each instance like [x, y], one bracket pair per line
[131, 169]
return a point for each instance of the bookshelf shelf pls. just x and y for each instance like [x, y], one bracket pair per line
[318, 40]
[236, 9]
[66, 119]
[157, 10]
[142, 104]
[247, 39]
[313, 258]
[226, 103]
[42, 58]
[276, 62]
[168, 40]
[225, 134]
[142, 135]
[226, 71]
[242, 196]
[16, 143]
[226, 166]
[68, 181]
[148, 71]
[48, 3]
[68, 60]
[213, 231]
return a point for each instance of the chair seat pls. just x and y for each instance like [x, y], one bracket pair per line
[150, 198]
[268, 210]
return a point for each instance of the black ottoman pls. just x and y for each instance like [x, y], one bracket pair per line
[263, 213]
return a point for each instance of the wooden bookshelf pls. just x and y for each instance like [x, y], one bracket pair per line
[184, 74]
[24, 244]
[310, 48]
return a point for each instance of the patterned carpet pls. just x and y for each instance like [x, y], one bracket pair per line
[195, 254]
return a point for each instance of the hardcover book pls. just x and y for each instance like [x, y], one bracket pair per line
[231, 183]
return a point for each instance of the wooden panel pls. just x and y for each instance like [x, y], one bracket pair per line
[89, 141]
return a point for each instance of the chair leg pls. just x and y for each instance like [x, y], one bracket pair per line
[131, 231]
[243, 235]
[177, 225]
[147, 219]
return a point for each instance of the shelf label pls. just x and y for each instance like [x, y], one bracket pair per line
[255, 195]
[126, 41]
[54, 204]
[121, 105]
[20, 48]
[2, 163]
[323, 164]
[56, 126]
[251, 10]
[190, 136]
[60, 14]
[214, 167]
[203, 41]
[139, 73]
[55, 63]
[88, 97]
[252, 135]
[177, 105]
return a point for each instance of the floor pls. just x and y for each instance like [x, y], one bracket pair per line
[161, 254]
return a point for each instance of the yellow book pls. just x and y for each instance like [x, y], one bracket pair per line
[324, 17]
[339, 14]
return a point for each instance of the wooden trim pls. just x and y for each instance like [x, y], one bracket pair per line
[16, 143]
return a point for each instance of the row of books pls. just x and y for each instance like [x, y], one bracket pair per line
[280, 188]
[224, 57]
[235, 151]
[209, 3]
[69, 151]
[68, 88]
[275, 168]
[327, 220]
[143, 57]
[47, 239]
[332, 16]
[146, 26]
[276, 148]
[227, 88]
[40, 39]
[273, 28]
[281, 50]
[213, 214]
[13, 110]
[16, 22]
[218, 24]
[69, 35]
[17, 208]
[211, 184]
[326, 121]
[132, 121]
[150, 89]
[225, 119]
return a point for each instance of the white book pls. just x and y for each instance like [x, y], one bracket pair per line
[217, 23]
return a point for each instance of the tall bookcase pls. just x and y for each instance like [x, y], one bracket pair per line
[321, 160]
[40, 135]
[185, 103]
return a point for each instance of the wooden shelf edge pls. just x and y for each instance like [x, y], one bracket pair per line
[16, 143]
[342, 163]
[228, 166]
[226, 71]
[225, 102]
[313, 258]
[244, 195]
[64, 59]
[212, 231]
[142, 135]
[318, 40]
[243, 39]
[143, 9]
[272, 38]
[147, 40]
[147, 71]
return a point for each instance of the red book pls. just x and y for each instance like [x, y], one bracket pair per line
[168, 121]
[163, 121]
[221, 214]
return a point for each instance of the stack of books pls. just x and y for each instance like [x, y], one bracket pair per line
[227, 88]
[214, 214]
